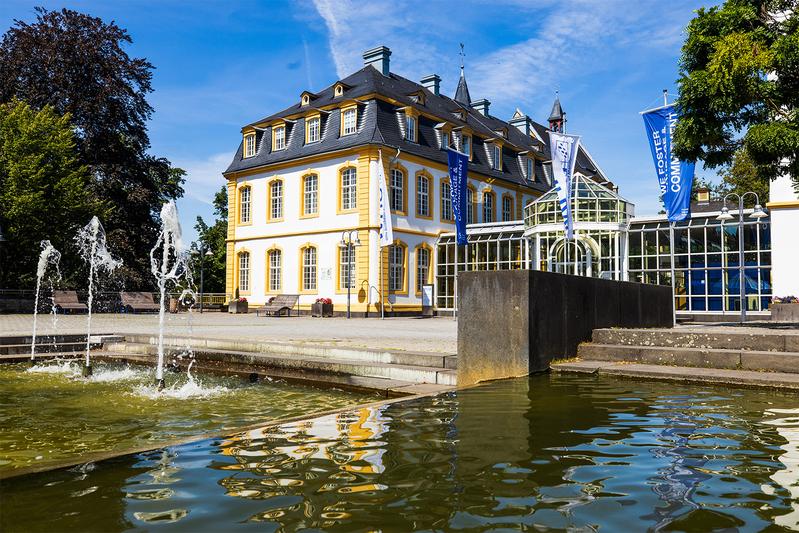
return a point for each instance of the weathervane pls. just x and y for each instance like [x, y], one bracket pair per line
[462, 54]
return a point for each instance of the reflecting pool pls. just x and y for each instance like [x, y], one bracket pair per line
[549, 452]
[49, 414]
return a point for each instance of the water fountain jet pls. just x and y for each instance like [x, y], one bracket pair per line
[48, 257]
[92, 245]
[171, 267]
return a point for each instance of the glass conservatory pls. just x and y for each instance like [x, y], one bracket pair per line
[601, 218]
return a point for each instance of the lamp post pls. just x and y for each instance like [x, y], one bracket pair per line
[350, 244]
[203, 252]
[725, 215]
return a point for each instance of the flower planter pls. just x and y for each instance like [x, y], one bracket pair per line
[322, 310]
[784, 312]
[236, 308]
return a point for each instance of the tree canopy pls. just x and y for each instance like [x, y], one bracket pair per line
[44, 191]
[739, 87]
[213, 238]
[77, 65]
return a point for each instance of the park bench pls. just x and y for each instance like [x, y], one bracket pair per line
[133, 302]
[67, 301]
[278, 304]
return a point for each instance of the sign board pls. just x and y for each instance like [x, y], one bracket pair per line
[427, 299]
[326, 274]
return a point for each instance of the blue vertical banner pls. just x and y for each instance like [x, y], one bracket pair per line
[675, 177]
[563, 149]
[458, 170]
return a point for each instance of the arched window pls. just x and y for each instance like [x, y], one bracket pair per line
[276, 200]
[422, 196]
[349, 188]
[275, 282]
[422, 267]
[244, 271]
[244, 205]
[507, 208]
[488, 206]
[396, 268]
[309, 268]
[396, 191]
[310, 195]
[346, 266]
[470, 205]
[446, 201]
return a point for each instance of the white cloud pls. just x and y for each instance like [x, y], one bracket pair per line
[204, 176]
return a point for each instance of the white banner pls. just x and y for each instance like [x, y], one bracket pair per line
[564, 154]
[386, 234]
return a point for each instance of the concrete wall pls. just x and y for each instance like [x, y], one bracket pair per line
[513, 323]
[783, 208]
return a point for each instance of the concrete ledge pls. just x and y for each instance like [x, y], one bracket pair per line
[762, 340]
[714, 376]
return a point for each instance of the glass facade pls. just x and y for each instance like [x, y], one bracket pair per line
[609, 243]
[706, 261]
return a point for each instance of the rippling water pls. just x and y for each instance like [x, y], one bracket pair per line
[549, 452]
[49, 414]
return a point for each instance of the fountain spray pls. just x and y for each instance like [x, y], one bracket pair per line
[49, 256]
[91, 242]
[172, 265]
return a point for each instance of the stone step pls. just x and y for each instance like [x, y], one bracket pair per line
[308, 366]
[147, 344]
[20, 349]
[765, 340]
[770, 361]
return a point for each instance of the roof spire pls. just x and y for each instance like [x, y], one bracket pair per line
[557, 116]
[462, 93]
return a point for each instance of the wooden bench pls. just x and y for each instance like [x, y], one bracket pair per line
[133, 302]
[280, 303]
[67, 301]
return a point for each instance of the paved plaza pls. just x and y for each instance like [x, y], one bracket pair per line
[438, 335]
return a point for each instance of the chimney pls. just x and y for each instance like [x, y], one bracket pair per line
[378, 58]
[481, 106]
[431, 82]
[703, 196]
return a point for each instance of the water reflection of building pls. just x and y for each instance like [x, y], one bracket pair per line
[786, 422]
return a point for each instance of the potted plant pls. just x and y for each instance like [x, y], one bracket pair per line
[784, 309]
[322, 307]
[237, 305]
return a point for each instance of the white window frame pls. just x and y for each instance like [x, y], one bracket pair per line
[488, 207]
[276, 200]
[446, 201]
[310, 202]
[396, 192]
[349, 189]
[275, 270]
[345, 265]
[422, 269]
[350, 121]
[280, 140]
[466, 145]
[444, 140]
[422, 196]
[244, 271]
[396, 268]
[314, 130]
[245, 199]
[249, 145]
[497, 153]
[410, 128]
[509, 211]
[530, 169]
[309, 258]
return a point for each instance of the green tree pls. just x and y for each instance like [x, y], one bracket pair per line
[77, 64]
[213, 238]
[44, 191]
[739, 87]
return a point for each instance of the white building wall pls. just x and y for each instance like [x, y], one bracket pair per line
[783, 208]
[324, 232]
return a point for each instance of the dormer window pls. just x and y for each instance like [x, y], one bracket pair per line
[249, 145]
[417, 97]
[530, 174]
[305, 99]
[338, 91]
[466, 145]
[349, 120]
[279, 137]
[410, 128]
[497, 159]
[312, 130]
[444, 140]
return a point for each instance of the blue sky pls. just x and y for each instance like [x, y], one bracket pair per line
[220, 65]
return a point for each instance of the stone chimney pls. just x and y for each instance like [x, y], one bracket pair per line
[432, 82]
[378, 58]
[481, 106]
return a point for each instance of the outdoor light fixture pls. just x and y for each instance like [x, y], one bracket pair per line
[725, 215]
[195, 253]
